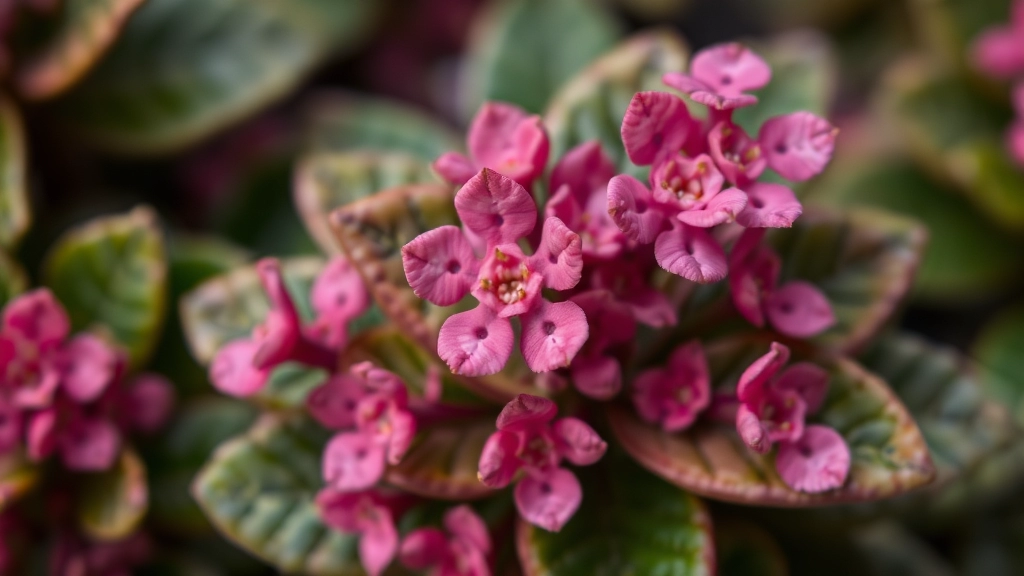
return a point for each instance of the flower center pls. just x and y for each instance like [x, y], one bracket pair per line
[537, 452]
[507, 280]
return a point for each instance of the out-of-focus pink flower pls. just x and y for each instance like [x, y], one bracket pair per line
[798, 145]
[656, 126]
[596, 371]
[999, 50]
[366, 514]
[503, 138]
[817, 462]
[673, 396]
[547, 495]
[441, 267]
[462, 553]
[720, 75]
[85, 442]
[579, 183]
[627, 279]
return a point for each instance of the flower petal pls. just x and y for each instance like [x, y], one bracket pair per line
[751, 431]
[423, 548]
[751, 280]
[353, 461]
[550, 500]
[817, 462]
[41, 434]
[721, 209]
[691, 253]
[476, 342]
[379, 542]
[632, 208]
[769, 205]
[88, 366]
[999, 52]
[339, 292]
[563, 205]
[597, 377]
[455, 168]
[526, 411]
[36, 317]
[753, 382]
[800, 310]
[808, 380]
[655, 126]
[737, 155]
[706, 94]
[90, 445]
[333, 404]
[496, 208]
[584, 169]
[578, 442]
[463, 523]
[149, 401]
[498, 462]
[552, 335]
[560, 255]
[403, 430]
[440, 265]
[504, 138]
[730, 69]
[233, 372]
[280, 331]
[798, 145]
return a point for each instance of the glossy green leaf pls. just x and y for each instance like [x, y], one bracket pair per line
[630, 522]
[347, 122]
[966, 258]
[889, 454]
[17, 477]
[13, 280]
[229, 306]
[745, 549]
[83, 31]
[803, 78]
[111, 504]
[14, 209]
[591, 105]
[522, 51]
[259, 490]
[111, 272]
[327, 181]
[183, 69]
[198, 428]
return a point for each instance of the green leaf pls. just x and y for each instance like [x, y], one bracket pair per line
[17, 476]
[259, 491]
[347, 122]
[14, 209]
[630, 522]
[966, 259]
[229, 306]
[288, 386]
[13, 280]
[889, 455]
[111, 504]
[591, 105]
[83, 31]
[198, 428]
[998, 349]
[745, 549]
[522, 51]
[112, 272]
[327, 181]
[183, 69]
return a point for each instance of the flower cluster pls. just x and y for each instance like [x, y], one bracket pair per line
[69, 395]
[999, 52]
[463, 553]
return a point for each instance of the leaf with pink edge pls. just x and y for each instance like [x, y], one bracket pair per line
[630, 522]
[443, 459]
[889, 455]
[111, 504]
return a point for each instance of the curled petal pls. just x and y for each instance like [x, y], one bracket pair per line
[89, 365]
[610, 321]
[769, 205]
[807, 380]
[746, 245]
[353, 461]
[705, 93]
[597, 377]
[41, 435]
[149, 401]
[339, 291]
[632, 208]
[379, 542]
[496, 208]
[423, 548]
[656, 125]
[526, 411]
[750, 429]
[730, 69]
[721, 209]
[475, 343]
[798, 145]
[463, 523]
[549, 501]
[817, 462]
[560, 255]
[280, 331]
[691, 253]
[800, 310]
[583, 170]
[38, 393]
[90, 445]
[552, 335]
[651, 307]
[754, 380]
[440, 265]
[498, 461]
[578, 442]
[403, 430]
[999, 52]
[232, 370]
[504, 138]
[37, 317]
[455, 168]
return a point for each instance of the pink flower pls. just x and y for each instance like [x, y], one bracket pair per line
[657, 125]
[736, 154]
[719, 76]
[596, 371]
[796, 309]
[798, 145]
[242, 367]
[547, 495]
[580, 183]
[463, 553]
[627, 278]
[999, 51]
[367, 514]
[673, 396]
[503, 138]
[1015, 134]
[817, 462]
[441, 267]
[85, 441]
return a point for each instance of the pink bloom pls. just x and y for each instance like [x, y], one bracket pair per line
[503, 138]
[147, 402]
[463, 553]
[796, 309]
[441, 267]
[31, 361]
[675, 395]
[719, 76]
[368, 515]
[579, 183]
[85, 442]
[656, 126]
[817, 462]
[242, 367]
[627, 278]
[548, 495]
[737, 155]
[798, 145]
[999, 51]
[596, 372]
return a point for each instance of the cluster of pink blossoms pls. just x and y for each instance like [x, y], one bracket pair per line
[999, 52]
[69, 395]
